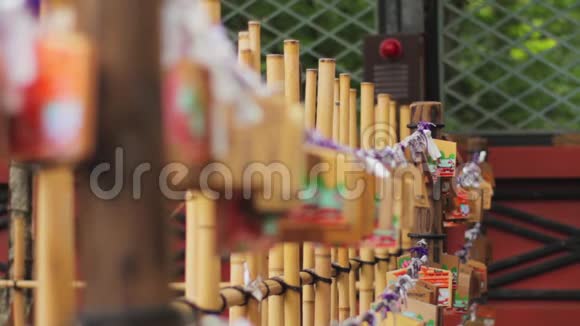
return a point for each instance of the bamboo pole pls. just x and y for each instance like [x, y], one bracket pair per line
[352, 113]
[55, 299]
[292, 277]
[342, 284]
[275, 72]
[292, 71]
[237, 261]
[393, 122]
[275, 269]
[404, 120]
[253, 306]
[367, 115]
[308, 290]
[20, 234]
[243, 44]
[344, 94]
[336, 111]
[245, 57]
[310, 99]
[352, 283]
[333, 289]
[382, 136]
[254, 28]
[322, 294]
[213, 8]
[366, 280]
[208, 273]
[325, 105]
[191, 255]
[263, 273]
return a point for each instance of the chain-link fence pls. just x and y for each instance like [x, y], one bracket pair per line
[510, 65]
[506, 65]
[325, 28]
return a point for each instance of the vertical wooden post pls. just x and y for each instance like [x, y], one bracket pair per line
[55, 270]
[245, 58]
[308, 290]
[20, 183]
[124, 249]
[352, 113]
[322, 293]
[292, 277]
[310, 99]
[404, 120]
[344, 116]
[192, 260]
[263, 273]
[352, 284]
[325, 105]
[253, 308]
[336, 111]
[382, 135]
[393, 123]
[342, 284]
[213, 8]
[276, 302]
[243, 44]
[207, 269]
[366, 280]
[237, 261]
[333, 289]
[367, 115]
[292, 71]
[275, 72]
[255, 45]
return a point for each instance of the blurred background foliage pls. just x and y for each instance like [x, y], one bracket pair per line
[507, 65]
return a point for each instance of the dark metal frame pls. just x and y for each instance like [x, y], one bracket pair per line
[552, 245]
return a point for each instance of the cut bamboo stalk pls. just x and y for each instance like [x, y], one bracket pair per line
[208, 268]
[255, 45]
[55, 300]
[292, 71]
[325, 105]
[237, 261]
[213, 8]
[344, 94]
[292, 277]
[308, 290]
[263, 273]
[243, 43]
[275, 269]
[366, 280]
[404, 120]
[191, 256]
[310, 99]
[367, 115]
[382, 136]
[352, 113]
[352, 283]
[393, 122]
[245, 57]
[381, 269]
[322, 294]
[336, 111]
[333, 289]
[275, 72]
[20, 233]
[386, 208]
[342, 284]
[253, 307]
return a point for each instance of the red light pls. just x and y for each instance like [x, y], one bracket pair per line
[391, 48]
